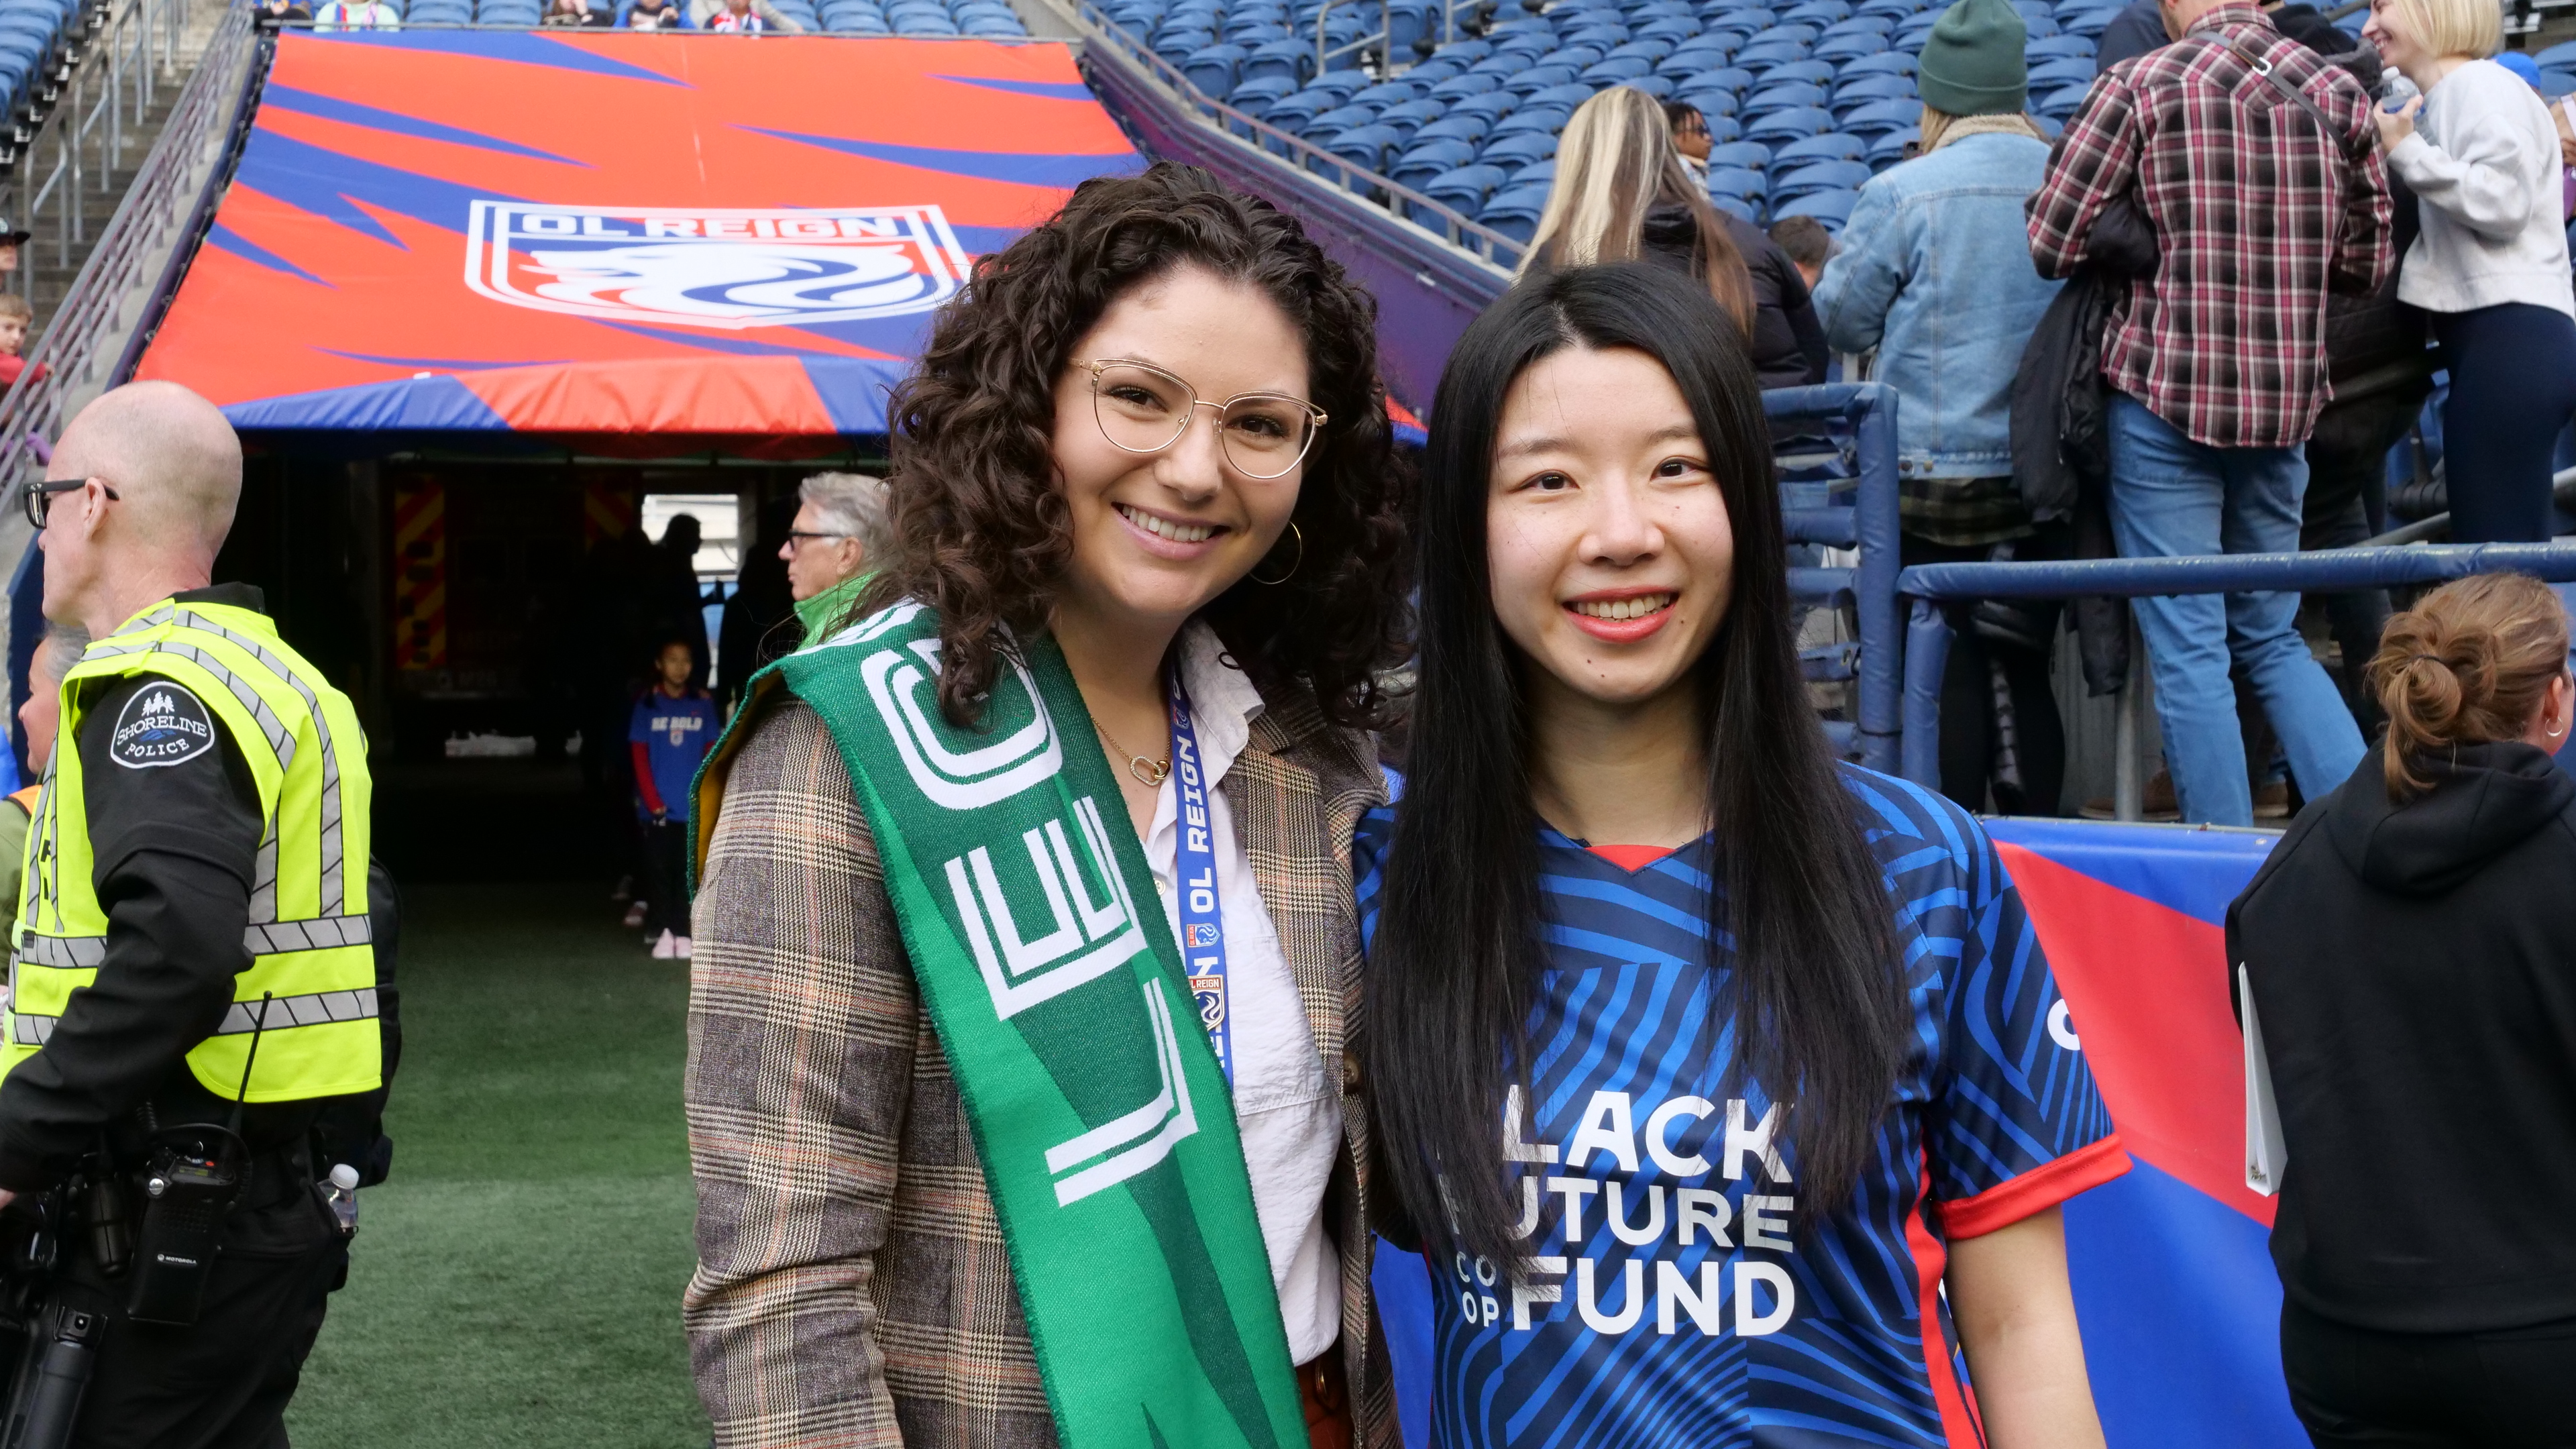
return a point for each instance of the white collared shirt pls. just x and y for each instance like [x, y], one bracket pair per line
[1287, 1112]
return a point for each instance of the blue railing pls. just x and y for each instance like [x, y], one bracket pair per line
[1927, 586]
[1841, 492]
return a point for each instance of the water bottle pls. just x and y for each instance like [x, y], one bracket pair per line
[341, 1194]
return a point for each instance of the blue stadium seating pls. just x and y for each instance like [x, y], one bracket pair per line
[1515, 213]
[1833, 208]
[1519, 150]
[1818, 176]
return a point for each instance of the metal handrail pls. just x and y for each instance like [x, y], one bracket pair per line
[1482, 243]
[168, 194]
[126, 38]
[1928, 631]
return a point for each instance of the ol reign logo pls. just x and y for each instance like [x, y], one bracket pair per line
[727, 268]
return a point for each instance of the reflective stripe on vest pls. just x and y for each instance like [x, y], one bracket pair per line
[308, 937]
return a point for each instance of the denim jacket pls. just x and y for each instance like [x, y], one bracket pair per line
[1935, 272]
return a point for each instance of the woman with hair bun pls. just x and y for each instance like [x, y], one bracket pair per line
[2411, 947]
[1025, 951]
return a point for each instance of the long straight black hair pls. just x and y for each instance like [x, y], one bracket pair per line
[1814, 990]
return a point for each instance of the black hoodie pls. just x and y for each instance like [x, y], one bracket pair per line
[2415, 971]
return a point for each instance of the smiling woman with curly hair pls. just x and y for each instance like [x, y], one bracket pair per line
[1144, 550]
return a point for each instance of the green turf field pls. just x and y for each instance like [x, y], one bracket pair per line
[517, 1280]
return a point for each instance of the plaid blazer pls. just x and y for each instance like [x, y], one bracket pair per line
[852, 1286]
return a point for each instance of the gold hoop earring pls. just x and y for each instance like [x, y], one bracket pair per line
[1300, 535]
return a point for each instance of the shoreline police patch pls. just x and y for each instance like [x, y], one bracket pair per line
[727, 268]
[163, 724]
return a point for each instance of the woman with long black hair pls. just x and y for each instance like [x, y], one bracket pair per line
[1702, 1063]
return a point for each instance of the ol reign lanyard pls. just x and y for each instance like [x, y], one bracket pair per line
[1194, 873]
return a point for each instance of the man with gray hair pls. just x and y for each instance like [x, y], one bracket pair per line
[841, 524]
[193, 981]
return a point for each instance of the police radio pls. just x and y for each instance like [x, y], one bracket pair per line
[190, 1181]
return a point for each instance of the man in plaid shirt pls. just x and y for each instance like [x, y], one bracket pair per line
[2261, 202]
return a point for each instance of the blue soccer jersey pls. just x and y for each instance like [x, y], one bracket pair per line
[1671, 1304]
[676, 735]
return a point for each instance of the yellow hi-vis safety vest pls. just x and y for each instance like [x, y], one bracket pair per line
[308, 936]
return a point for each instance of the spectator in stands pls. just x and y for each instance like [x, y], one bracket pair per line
[1621, 192]
[357, 15]
[1691, 136]
[673, 727]
[2132, 33]
[15, 318]
[2407, 948]
[653, 15]
[1931, 275]
[1079, 527]
[575, 12]
[2490, 264]
[740, 17]
[1631, 911]
[2250, 158]
[38, 719]
[841, 522]
[273, 13]
[1808, 246]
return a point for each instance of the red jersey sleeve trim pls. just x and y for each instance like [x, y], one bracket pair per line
[2035, 1191]
[644, 778]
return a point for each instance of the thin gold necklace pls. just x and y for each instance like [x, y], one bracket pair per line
[1150, 771]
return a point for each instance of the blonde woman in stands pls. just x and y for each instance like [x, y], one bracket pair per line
[1622, 193]
[2408, 946]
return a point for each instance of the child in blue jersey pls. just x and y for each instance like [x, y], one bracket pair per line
[672, 729]
[1704, 1064]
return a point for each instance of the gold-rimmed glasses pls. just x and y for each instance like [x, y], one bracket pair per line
[1143, 409]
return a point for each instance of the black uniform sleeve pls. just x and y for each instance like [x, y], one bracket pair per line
[174, 826]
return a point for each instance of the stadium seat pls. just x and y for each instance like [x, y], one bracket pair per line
[2088, 23]
[1672, 30]
[1427, 161]
[1290, 60]
[1385, 93]
[1812, 72]
[1649, 51]
[1795, 124]
[1538, 78]
[2061, 102]
[1711, 103]
[2048, 75]
[2558, 82]
[1783, 97]
[1764, 53]
[1879, 118]
[2561, 56]
[1833, 208]
[1894, 62]
[1493, 106]
[1256, 96]
[1464, 52]
[1860, 90]
[1818, 176]
[1790, 34]
[1465, 189]
[1577, 58]
[1515, 213]
[1729, 78]
[1748, 155]
[1412, 116]
[1896, 10]
[1738, 207]
[1833, 146]
[1537, 173]
[1741, 181]
[2059, 47]
[1850, 47]
[1564, 98]
[1471, 129]
[1337, 120]
[1212, 68]
[1816, 12]
[1460, 87]
[1532, 120]
[1368, 147]
[1518, 150]
[1691, 60]
[1878, 25]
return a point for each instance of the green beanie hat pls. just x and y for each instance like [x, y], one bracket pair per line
[1972, 64]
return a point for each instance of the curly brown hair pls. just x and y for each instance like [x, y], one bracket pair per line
[979, 529]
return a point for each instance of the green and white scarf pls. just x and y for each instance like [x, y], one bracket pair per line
[1105, 1127]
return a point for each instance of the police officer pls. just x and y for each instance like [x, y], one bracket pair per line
[196, 878]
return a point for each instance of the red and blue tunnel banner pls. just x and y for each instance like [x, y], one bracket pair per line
[636, 243]
[2173, 1282]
